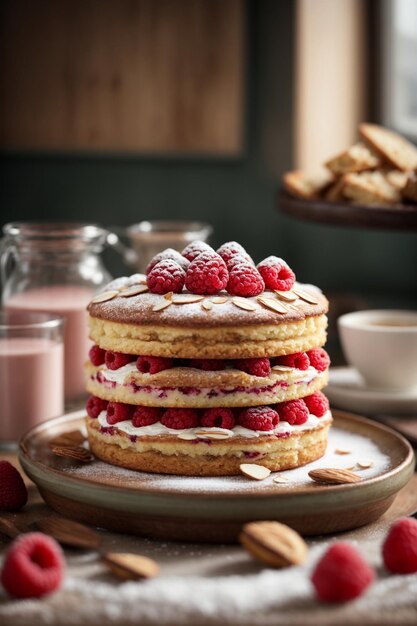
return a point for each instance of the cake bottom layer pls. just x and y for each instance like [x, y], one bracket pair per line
[168, 455]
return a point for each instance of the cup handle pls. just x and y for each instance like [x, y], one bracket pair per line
[130, 257]
[7, 252]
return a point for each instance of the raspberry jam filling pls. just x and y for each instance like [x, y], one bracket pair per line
[260, 367]
[110, 380]
[215, 423]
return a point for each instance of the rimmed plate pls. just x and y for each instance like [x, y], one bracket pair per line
[214, 509]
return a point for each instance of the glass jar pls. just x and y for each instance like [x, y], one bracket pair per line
[56, 269]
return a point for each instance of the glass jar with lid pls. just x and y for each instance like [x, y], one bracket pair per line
[56, 268]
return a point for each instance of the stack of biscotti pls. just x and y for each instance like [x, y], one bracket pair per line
[206, 363]
[378, 170]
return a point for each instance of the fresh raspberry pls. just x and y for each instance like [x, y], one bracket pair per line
[239, 258]
[319, 359]
[231, 249]
[34, 566]
[256, 367]
[342, 574]
[221, 418]
[245, 280]
[276, 273]
[298, 360]
[97, 355]
[115, 360]
[13, 492]
[153, 364]
[180, 418]
[258, 418]
[118, 412]
[146, 415]
[317, 404]
[195, 248]
[208, 365]
[400, 547]
[95, 406]
[171, 254]
[166, 276]
[293, 412]
[207, 274]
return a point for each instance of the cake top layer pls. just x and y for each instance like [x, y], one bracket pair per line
[121, 303]
[201, 287]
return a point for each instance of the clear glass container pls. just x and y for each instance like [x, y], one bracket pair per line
[56, 269]
[31, 372]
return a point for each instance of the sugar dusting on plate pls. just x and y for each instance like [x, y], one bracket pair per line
[362, 449]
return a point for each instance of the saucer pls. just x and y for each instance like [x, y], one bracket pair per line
[347, 390]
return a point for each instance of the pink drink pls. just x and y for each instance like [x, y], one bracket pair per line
[68, 301]
[31, 383]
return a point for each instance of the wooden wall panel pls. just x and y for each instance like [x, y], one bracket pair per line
[150, 76]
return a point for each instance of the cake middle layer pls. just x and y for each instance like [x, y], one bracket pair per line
[188, 387]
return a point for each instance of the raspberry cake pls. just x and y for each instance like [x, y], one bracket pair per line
[208, 362]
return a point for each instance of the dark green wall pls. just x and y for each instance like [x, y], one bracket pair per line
[236, 196]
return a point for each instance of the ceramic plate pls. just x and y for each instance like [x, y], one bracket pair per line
[214, 509]
[347, 390]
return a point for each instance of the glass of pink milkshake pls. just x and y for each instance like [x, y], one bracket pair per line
[56, 268]
[31, 372]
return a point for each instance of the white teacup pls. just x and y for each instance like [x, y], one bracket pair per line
[382, 345]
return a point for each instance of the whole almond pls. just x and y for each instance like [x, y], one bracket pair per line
[77, 453]
[131, 566]
[273, 543]
[69, 438]
[69, 533]
[333, 476]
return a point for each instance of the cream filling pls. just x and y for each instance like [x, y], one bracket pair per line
[211, 432]
[120, 376]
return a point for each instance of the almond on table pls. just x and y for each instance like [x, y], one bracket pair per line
[273, 543]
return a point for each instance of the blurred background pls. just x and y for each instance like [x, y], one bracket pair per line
[117, 111]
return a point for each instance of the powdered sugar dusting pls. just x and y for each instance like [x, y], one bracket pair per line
[362, 449]
[139, 308]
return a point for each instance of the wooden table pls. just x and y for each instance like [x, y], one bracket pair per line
[179, 560]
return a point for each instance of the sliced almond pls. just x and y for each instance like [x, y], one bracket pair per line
[141, 278]
[246, 305]
[305, 295]
[365, 464]
[187, 436]
[70, 438]
[77, 453]
[273, 305]
[186, 298]
[104, 296]
[351, 467]
[213, 434]
[219, 300]
[162, 305]
[282, 368]
[342, 451]
[69, 533]
[331, 476]
[131, 566]
[168, 296]
[273, 543]
[287, 296]
[280, 479]
[134, 290]
[207, 305]
[252, 470]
